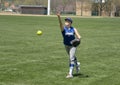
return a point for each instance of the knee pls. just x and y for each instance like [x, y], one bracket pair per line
[72, 58]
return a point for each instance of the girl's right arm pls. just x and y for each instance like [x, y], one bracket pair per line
[60, 22]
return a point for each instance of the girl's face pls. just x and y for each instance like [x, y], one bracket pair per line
[67, 23]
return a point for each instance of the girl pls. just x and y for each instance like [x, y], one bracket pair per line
[70, 33]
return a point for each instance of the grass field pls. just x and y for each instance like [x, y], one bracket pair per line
[29, 59]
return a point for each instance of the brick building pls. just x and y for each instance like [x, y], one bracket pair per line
[83, 8]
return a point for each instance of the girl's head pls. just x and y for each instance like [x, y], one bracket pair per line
[68, 22]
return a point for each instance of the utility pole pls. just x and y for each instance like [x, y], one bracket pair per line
[48, 9]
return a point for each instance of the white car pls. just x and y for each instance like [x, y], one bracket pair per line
[8, 10]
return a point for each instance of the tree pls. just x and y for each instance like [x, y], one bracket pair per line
[19, 2]
[54, 6]
[116, 6]
[64, 4]
[74, 5]
[108, 7]
[111, 7]
[100, 5]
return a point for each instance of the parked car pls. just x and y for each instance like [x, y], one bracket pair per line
[8, 10]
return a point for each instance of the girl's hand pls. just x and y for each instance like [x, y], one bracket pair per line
[58, 14]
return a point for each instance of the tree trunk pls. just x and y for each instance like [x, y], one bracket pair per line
[81, 8]
[101, 11]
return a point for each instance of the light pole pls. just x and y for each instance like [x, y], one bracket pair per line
[48, 9]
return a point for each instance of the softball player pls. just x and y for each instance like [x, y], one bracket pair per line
[70, 33]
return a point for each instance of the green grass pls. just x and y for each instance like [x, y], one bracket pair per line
[29, 59]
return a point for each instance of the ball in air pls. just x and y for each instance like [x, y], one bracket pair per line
[39, 32]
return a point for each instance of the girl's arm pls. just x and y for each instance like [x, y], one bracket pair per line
[60, 22]
[77, 34]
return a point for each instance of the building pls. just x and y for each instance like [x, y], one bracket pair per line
[33, 9]
[83, 8]
[96, 8]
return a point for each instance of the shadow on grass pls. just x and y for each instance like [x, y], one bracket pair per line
[81, 75]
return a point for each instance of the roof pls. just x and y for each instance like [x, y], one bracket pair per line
[32, 6]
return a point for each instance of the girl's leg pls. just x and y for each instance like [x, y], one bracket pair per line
[72, 59]
[77, 64]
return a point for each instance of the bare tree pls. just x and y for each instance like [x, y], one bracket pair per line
[101, 6]
[19, 2]
[73, 3]
[111, 7]
[64, 4]
[108, 7]
[116, 6]
[54, 6]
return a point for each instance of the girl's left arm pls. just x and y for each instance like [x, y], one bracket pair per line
[77, 34]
